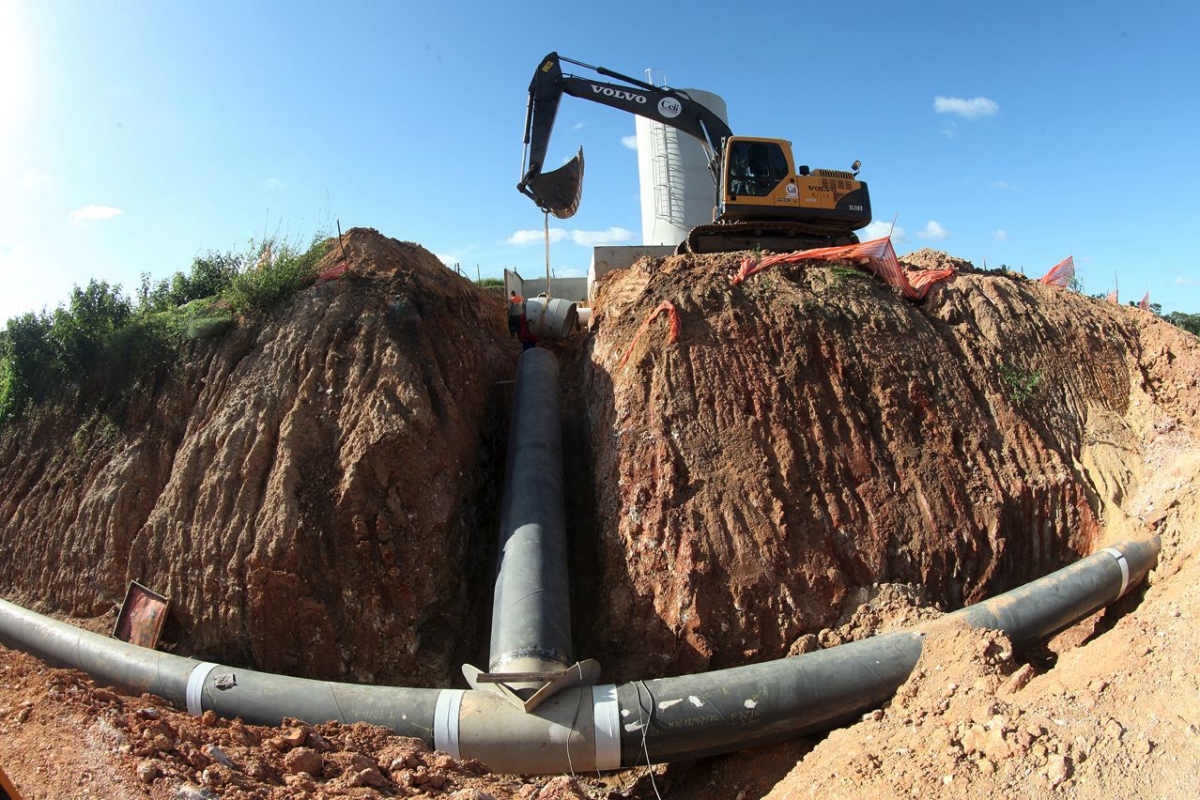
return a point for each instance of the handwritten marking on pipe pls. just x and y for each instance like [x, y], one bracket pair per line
[696, 701]
[751, 703]
[665, 704]
[634, 726]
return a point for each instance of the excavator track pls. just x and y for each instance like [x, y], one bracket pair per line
[776, 236]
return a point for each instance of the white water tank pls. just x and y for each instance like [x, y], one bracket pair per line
[677, 192]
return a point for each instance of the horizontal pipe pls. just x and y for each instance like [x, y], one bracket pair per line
[260, 698]
[595, 727]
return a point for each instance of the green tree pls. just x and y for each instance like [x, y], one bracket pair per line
[31, 369]
[1189, 322]
[81, 330]
[210, 276]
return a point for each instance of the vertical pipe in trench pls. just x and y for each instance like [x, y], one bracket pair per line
[531, 615]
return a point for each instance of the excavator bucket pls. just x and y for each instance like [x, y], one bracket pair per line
[559, 191]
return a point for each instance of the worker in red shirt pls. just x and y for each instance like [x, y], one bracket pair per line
[516, 310]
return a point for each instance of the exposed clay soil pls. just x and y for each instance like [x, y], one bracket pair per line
[814, 461]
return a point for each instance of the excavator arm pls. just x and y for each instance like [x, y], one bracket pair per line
[558, 191]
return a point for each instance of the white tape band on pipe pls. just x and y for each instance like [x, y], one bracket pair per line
[195, 687]
[445, 722]
[1123, 564]
[606, 716]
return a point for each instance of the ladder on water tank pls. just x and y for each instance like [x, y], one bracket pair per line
[667, 177]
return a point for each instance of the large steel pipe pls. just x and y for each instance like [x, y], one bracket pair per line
[596, 727]
[531, 615]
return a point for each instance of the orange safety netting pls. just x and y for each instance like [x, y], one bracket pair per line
[1061, 273]
[1112, 297]
[878, 254]
[673, 336]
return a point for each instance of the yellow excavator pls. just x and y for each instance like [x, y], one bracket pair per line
[763, 200]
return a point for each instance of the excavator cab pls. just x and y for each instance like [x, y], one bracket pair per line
[761, 182]
[755, 167]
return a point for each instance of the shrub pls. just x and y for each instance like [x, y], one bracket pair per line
[280, 270]
[100, 342]
[211, 275]
[1021, 382]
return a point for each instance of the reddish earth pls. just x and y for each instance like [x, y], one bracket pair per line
[814, 461]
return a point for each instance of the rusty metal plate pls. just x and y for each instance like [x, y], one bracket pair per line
[142, 616]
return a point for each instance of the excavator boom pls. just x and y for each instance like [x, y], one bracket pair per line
[559, 191]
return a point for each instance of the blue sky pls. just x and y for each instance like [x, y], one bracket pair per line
[137, 135]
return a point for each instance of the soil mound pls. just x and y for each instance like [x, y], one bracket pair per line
[811, 433]
[287, 488]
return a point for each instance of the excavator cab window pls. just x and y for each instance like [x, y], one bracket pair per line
[755, 168]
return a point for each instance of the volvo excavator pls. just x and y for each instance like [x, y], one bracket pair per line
[763, 200]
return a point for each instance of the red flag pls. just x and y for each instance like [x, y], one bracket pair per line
[1145, 304]
[1061, 273]
[1112, 297]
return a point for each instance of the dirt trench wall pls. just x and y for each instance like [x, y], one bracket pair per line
[812, 433]
[306, 492]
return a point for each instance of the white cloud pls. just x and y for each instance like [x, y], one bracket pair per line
[579, 237]
[1183, 280]
[1003, 185]
[1000, 235]
[975, 108]
[578, 126]
[933, 230]
[593, 238]
[536, 236]
[94, 214]
[879, 229]
[274, 183]
[569, 272]
[630, 142]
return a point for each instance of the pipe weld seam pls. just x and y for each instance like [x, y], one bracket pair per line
[606, 717]
[195, 687]
[445, 722]
[535, 653]
[1123, 564]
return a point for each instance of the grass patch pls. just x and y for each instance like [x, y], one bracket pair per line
[1022, 383]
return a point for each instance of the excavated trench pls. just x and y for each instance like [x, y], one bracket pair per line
[730, 497]
[531, 665]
